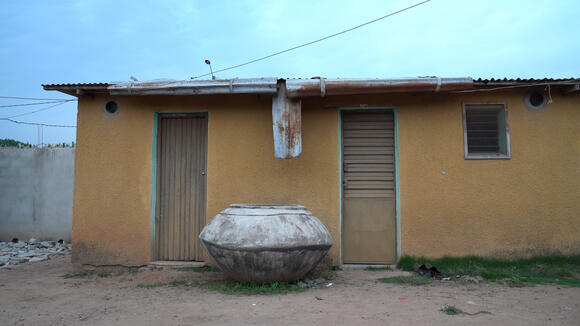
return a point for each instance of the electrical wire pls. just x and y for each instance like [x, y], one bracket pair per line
[37, 124]
[315, 41]
[35, 98]
[511, 86]
[38, 103]
[27, 113]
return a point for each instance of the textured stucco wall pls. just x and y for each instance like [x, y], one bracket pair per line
[112, 205]
[526, 205]
[36, 193]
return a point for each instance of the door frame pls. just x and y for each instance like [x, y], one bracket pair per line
[152, 224]
[341, 171]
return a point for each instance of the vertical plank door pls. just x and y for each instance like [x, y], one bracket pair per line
[181, 186]
[368, 161]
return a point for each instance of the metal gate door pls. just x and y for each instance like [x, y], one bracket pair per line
[368, 160]
[181, 186]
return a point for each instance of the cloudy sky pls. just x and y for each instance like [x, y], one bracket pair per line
[102, 41]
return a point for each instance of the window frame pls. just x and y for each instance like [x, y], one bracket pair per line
[473, 156]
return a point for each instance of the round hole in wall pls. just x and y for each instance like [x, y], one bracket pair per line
[111, 107]
[535, 100]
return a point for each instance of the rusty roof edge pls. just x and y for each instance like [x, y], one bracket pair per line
[323, 86]
[196, 87]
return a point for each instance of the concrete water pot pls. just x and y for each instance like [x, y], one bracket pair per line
[266, 243]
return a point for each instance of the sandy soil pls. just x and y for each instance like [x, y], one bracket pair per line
[37, 294]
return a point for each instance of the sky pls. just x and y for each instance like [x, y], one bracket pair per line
[45, 42]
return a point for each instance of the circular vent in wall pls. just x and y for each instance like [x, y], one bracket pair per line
[535, 100]
[111, 107]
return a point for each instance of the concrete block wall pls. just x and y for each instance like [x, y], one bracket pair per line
[36, 192]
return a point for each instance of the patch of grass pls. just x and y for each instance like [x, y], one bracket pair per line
[234, 287]
[450, 310]
[406, 280]
[82, 274]
[104, 274]
[378, 268]
[202, 269]
[562, 270]
[169, 284]
[329, 276]
[131, 270]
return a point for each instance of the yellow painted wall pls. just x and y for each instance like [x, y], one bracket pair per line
[529, 204]
[526, 205]
[112, 204]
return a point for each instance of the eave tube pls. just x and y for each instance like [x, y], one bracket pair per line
[313, 87]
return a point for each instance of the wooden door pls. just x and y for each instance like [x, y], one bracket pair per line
[181, 186]
[368, 161]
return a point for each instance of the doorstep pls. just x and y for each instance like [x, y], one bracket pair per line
[363, 266]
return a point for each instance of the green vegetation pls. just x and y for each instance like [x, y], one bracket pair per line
[234, 287]
[378, 268]
[169, 284]
[451, 310]
[6, 142]
[202, 269]
[562, 270]
[104, 274]
[407, 280]
[80, 274]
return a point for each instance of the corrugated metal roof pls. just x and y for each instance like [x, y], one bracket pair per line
[268, 85]
[75, 84]
[523, 81]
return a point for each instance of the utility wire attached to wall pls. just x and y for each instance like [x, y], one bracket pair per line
[38, 124]
[37, 103]
[312, 42]
[27, 113]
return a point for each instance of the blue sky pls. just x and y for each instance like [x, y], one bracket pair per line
[103, 41]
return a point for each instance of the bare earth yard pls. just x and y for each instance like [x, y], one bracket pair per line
[38, 294]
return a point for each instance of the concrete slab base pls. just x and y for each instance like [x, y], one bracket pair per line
[363, 266]
[174, 263]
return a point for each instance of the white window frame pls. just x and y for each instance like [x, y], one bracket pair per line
[498, 156]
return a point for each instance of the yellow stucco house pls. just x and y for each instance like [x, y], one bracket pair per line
[421, 166]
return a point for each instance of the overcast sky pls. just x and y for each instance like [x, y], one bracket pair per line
[102, 41]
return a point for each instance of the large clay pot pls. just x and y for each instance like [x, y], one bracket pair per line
[266, 243]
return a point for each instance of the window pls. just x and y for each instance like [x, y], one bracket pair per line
[485, 131]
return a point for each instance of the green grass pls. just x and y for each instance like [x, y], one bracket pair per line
[234, 287]
[82, 274]
[450, 310]
[376, 269]
[562, 270]
[202, 269]
[406, 280]
[169, 284]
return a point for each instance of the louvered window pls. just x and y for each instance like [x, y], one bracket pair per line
[485, 130]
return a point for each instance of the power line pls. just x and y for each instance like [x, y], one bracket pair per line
[37, 124]
[34, 98]
[38, 103]
[315, 41]
[27, 113]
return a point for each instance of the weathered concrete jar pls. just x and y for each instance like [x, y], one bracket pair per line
[265, 243]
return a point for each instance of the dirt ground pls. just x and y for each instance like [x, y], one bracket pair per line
[38, 294]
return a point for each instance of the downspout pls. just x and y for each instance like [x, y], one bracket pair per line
[286, 123]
